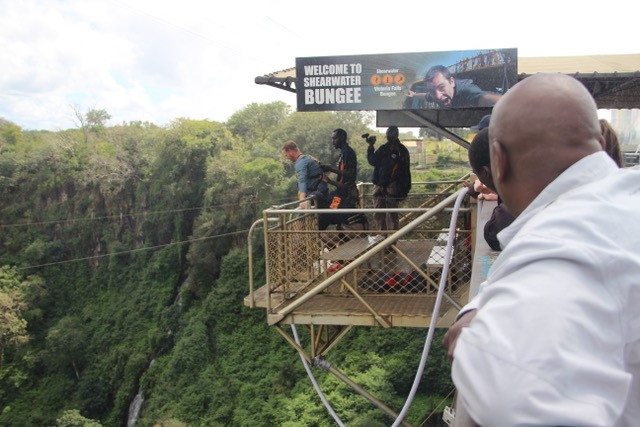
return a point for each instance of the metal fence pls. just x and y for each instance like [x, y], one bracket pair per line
[299, 256]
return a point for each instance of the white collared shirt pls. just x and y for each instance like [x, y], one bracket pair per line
[556, 340]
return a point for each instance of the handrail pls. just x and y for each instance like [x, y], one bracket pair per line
[344, 210]
[277, 208]
[415, 183]
[256, 223]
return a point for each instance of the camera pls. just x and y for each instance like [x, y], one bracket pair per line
[369, 139]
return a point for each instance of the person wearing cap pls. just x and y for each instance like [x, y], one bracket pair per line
[391, 177]
[483, 123]
[450, 92]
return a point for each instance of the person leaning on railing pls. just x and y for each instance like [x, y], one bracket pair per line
[309, 174]
[483, 187]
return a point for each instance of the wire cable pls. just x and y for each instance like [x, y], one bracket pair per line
[314, 382]
[430, 333]
[133, 250]
[130, 215]
[424, 423]
[436, 309]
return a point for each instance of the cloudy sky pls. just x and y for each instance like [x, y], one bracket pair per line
[158, 60]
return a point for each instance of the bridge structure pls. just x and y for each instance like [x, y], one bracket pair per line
[334, 279]
[384, 279]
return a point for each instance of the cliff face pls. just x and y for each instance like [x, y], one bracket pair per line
[108, 227]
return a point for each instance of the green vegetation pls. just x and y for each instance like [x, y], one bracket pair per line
[123, 267]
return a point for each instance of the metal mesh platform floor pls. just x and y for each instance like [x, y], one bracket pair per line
[401, 309]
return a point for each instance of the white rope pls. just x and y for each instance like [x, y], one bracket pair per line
[429, 339]
[436, 309]
[314, 382]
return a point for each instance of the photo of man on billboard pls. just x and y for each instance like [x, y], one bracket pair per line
[457, 85]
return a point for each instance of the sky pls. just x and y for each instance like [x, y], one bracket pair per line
[156, 60]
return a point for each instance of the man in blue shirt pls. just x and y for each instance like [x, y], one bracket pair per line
[309, 174]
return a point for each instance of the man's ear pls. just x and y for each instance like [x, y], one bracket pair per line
[499, 163]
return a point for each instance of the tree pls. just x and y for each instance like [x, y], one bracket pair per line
[92, 121]
[10, 133]
[66, 343]
[256, 122]
[96, 119]
[73, 418]
[14, 298]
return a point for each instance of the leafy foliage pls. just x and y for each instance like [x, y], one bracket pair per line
[73, 418]
[16, 296]
[123, 267]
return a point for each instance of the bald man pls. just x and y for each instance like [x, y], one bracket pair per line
[553, 337]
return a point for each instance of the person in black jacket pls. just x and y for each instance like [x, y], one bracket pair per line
[481, 165]
[391, 177]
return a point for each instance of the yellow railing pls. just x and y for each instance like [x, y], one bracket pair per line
[355, 260]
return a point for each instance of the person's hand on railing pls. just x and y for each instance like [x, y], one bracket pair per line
[470, 187]
[305, 204]
[484, 192]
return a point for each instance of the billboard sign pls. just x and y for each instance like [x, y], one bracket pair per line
[405, 81]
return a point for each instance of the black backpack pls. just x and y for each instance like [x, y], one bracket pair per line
[399, 180]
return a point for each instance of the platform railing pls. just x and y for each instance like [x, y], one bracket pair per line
[356, 260]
